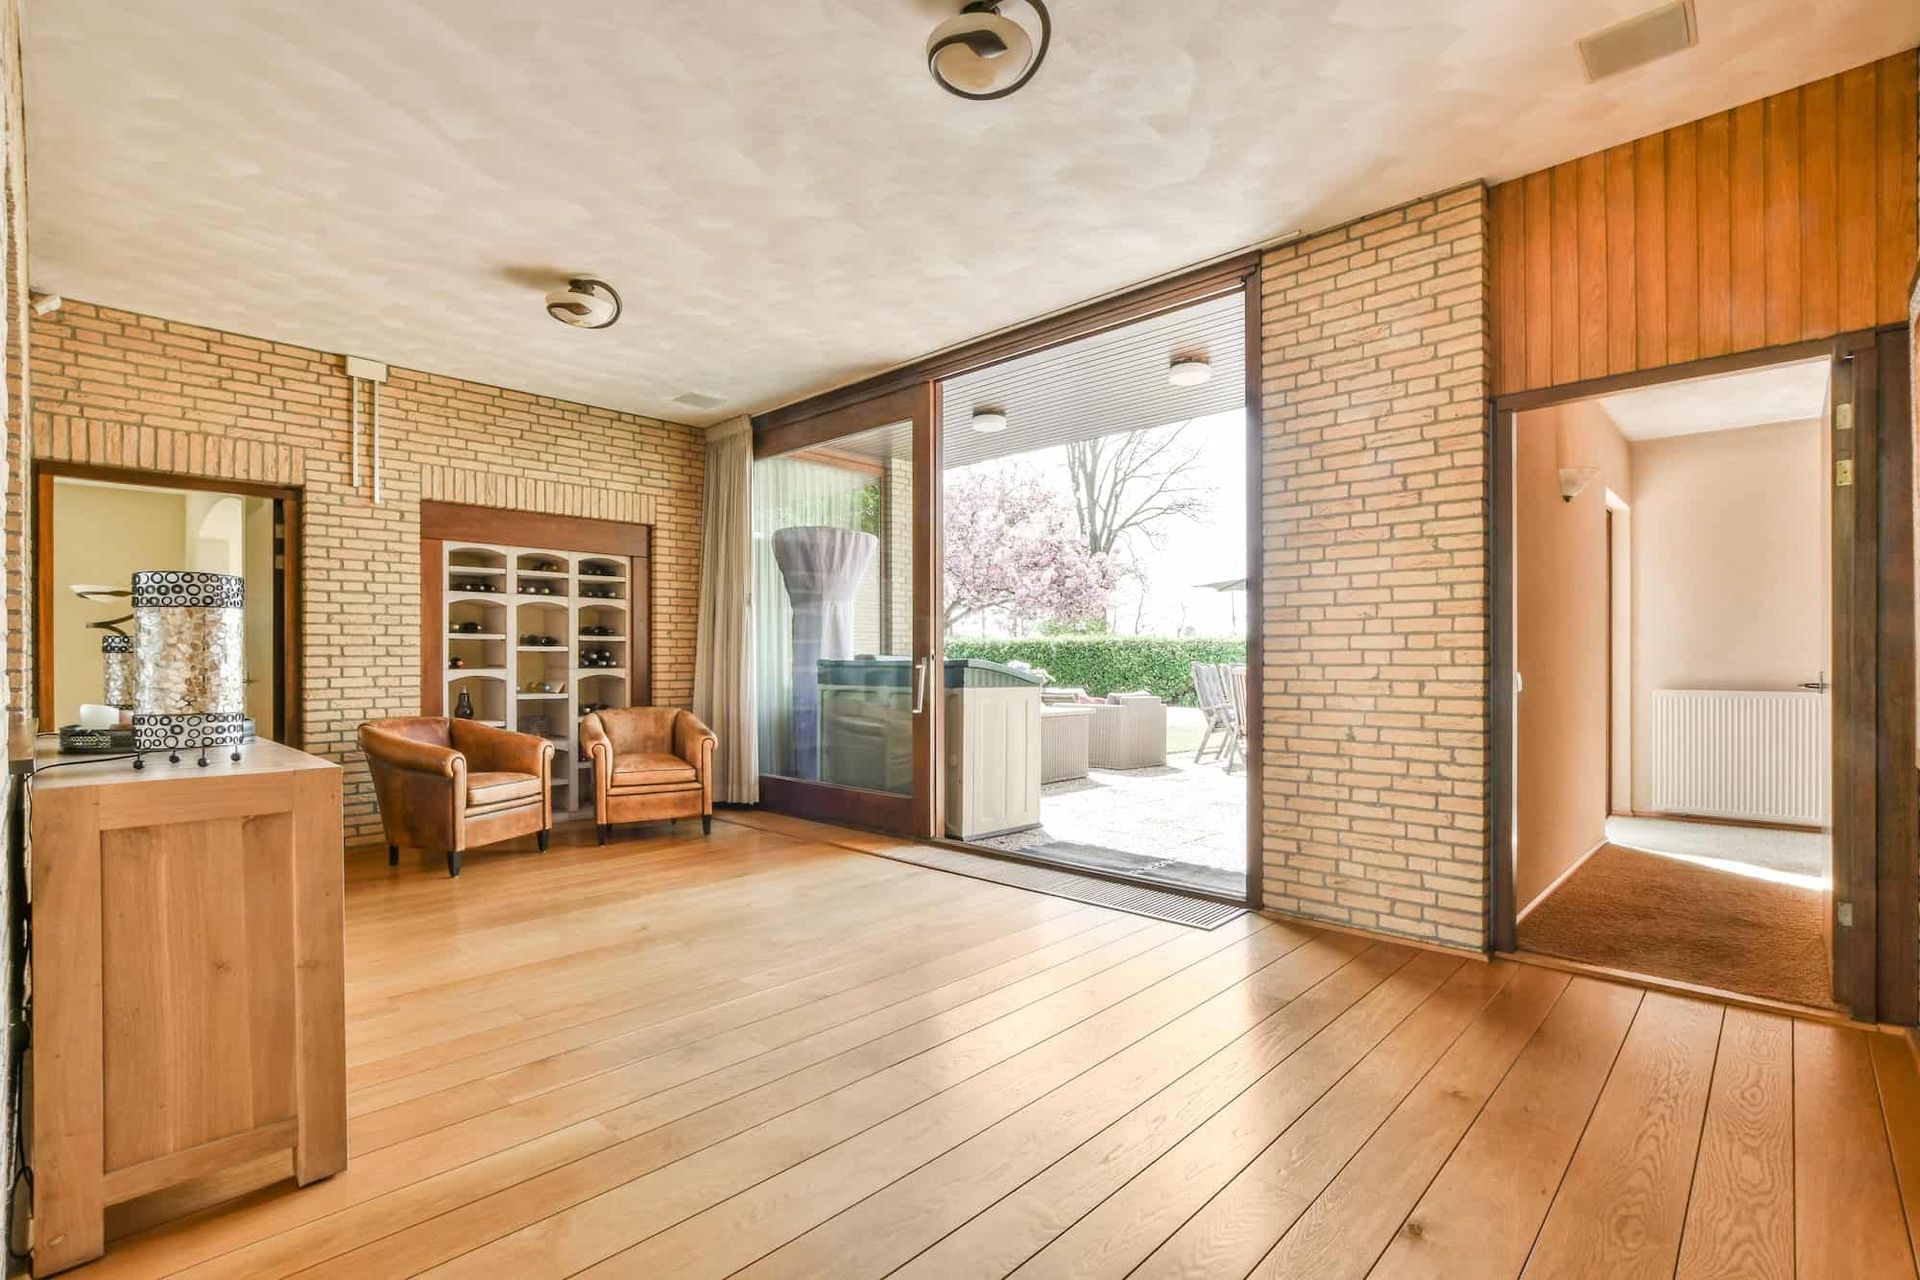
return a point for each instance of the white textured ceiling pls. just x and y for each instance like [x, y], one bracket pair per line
[782, 194]
[1752, 398]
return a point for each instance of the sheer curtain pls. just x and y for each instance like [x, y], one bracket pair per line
[723, 684]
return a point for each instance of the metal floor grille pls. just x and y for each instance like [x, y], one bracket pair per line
[1157, 904]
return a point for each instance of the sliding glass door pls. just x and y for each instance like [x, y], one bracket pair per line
[843, 541]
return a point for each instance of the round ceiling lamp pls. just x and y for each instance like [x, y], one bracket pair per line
[585, 303]
[981, 54]
[1189, 371]
[989, 422]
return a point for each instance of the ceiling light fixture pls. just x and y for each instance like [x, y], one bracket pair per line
[981, 54]
[1189, 371]
[989, 422]
[586, 303]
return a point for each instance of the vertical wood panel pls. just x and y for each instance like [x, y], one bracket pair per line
[1509, 284]
[1650, 248]
[1747, 229]
[1896, 186]
[1683, 247]
[1566, 273]
[1538, 237]
[1783, 217]
[1819, 193]
[1622, 322]
[1593, 266]
[1856, 203]
[1715, 230]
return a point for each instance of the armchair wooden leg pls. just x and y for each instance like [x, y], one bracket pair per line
[453, 862]
[706, 824]
[544, 836]
[606, 829]
[393, 855]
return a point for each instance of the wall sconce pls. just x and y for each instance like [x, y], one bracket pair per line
[1574, 481]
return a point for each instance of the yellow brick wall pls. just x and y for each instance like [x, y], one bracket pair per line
[1374, 604]
[119, 389]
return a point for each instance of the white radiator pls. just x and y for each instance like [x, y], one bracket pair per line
[1759, 756]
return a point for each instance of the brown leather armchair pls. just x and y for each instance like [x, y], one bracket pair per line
[454, 785]
[650, 764]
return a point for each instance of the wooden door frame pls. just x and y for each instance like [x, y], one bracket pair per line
[444, 522]
[798, 426]
[1876, 854]
[289, 726]
[921, 815]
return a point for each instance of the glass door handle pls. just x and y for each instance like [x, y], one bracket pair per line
[920, 685]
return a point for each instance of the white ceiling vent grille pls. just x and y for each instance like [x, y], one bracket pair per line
[1654, 34]
[698, 400]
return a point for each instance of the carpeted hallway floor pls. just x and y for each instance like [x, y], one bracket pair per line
[1626, 909]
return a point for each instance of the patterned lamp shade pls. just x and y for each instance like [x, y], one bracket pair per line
[189, 661]
[116, 676]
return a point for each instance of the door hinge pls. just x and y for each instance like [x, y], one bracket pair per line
[1843, 912]
[1843, 417]
[1843, 473]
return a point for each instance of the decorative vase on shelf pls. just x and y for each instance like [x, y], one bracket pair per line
[463, 709]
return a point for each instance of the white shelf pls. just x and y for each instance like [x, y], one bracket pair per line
[514, 613]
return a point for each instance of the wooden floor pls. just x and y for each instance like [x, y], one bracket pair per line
[768, 1055]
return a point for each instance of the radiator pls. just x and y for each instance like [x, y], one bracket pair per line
[1758, 756]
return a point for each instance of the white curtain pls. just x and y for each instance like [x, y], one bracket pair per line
[822, 567]
[723, 693]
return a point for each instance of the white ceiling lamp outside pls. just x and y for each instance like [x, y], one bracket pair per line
[585, 303]
[1189, 371]
[989, 422]
[981, 54]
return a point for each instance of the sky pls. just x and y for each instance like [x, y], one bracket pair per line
[1168, 601]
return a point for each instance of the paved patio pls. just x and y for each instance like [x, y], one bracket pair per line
[1182, 822]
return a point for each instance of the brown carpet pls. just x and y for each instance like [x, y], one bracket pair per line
[1637, 911]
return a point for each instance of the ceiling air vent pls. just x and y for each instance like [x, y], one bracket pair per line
[698, 400]
[1637, 41]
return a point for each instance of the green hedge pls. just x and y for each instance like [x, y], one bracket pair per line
[1110, 664]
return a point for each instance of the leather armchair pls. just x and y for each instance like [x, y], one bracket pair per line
[650, 764]
[453, 785]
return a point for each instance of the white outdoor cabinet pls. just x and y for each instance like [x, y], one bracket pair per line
[993, 760]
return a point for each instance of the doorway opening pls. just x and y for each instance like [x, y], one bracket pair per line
[1673, 630]
[96, 527]
[1094, 530]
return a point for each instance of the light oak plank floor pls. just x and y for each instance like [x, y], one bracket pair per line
[769, 1054]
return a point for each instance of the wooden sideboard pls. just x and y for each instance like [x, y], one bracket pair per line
[188, 981]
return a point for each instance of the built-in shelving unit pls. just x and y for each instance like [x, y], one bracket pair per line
[522, 622]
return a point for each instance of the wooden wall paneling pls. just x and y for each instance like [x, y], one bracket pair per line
[1593, 265]
[1783, 220]
[1747, 230]
[1856, 202]
[1566, 273]
[1537, 236]
[1683, 244]
[1713, 171]
[1819, 209]
[433, 638]
[1782, 217]
[1621, 251]
[1897, 186]
[1509, 282]
[1650, 250]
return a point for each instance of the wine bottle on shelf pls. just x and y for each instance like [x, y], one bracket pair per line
[463, 709]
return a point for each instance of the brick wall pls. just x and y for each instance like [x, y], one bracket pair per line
[119, 389]
[1374, 605]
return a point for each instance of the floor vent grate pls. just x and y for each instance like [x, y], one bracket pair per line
[1157, 904]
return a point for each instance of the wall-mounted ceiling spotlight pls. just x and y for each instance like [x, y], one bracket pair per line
[585, 303]
[981, 54]
[989, 422]
[1189, 371]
